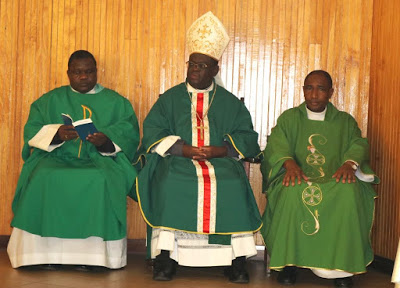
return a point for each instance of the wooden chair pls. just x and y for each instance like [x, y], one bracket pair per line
[246, 164]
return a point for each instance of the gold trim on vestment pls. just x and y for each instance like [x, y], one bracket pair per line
[155, 143]
[140, 160]
[279, 268]
[270, 171]
[234, 146]
[258, 155]
[85, 108]
[200, 194]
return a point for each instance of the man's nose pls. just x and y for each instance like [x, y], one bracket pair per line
[314, 93]
[84, 75]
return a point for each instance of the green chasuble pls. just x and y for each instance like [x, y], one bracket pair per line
[74, 191]
[205, 197]
[320, 223]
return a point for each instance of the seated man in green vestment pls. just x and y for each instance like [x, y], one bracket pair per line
[193, 191]
[320, 202]
[70, 202]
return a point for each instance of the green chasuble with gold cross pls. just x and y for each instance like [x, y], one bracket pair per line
[204, 197]
[320, 223]
[74, 191]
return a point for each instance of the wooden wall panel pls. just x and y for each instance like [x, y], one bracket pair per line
[140, 49]
[384, 124]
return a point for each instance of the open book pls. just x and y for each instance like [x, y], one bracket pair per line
[84, 127]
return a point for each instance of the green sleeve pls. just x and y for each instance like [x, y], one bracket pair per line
[243, 137]
[33, 125]
[358, 146]
[277, 151]
[125, 131]
[358, 150]
[156, 125]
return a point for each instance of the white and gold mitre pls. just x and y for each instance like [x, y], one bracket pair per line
[208, 36]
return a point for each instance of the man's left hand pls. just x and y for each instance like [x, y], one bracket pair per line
[345, 172]
[97, 139]
[213, 152]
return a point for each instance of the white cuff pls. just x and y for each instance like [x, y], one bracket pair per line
[364, 177]
[54, 146]
[117, 149]
[43, 138]
[359, 174]
[165, 144]
[355, 164]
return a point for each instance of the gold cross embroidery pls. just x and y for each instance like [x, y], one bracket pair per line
[204, 32]
[201, 128]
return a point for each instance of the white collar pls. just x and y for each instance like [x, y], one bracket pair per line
[318, 116]
[93, 91]
[192, 89]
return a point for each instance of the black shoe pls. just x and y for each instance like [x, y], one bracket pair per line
[237, 272]
[160, 275]
[49, 267]
[164, 267]
[83, 268]
[241, 277]
[343, 282]
[288, 275]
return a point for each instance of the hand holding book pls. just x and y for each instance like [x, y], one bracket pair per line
[84, 127]
[99, 139]
[66, 133]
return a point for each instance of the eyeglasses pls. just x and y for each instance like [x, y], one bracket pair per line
[81, 72]
[201, 66]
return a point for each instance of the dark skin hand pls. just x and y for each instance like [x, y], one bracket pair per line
[293, 171]
[67, 133]
[204, 153]
[97, 139]
[345, 172]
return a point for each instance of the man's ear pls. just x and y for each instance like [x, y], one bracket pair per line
[331, 92]
[215, 70]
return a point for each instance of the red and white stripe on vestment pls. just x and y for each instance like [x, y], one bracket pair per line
[207, 184]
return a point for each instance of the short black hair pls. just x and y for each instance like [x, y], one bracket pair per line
[323, 73]
[81, 54]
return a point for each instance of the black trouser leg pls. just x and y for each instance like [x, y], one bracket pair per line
[164, 267]
[237, 272]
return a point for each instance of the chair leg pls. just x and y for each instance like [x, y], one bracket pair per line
[266, 262]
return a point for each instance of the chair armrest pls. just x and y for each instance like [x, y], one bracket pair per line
[255, 160]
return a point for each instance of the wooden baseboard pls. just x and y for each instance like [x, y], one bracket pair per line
[4, 241]
[136, 246]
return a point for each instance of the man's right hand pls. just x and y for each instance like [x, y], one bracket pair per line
[67, 132]
[192, 152]
[293, 171]
[204, 153]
